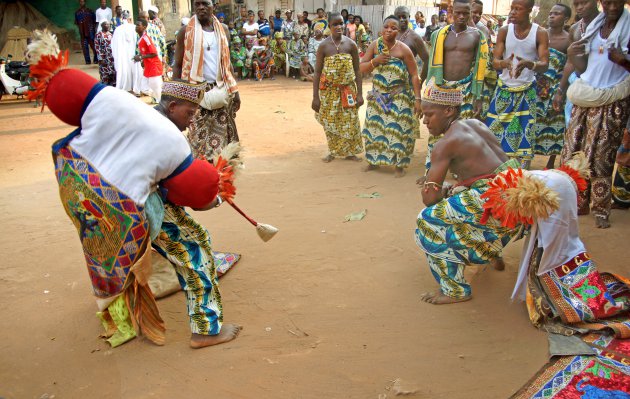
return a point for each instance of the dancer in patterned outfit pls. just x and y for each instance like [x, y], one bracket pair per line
[391, 109]
[182, 240]
[109, 184]
[103, 44]
[336, 78]
[451, 229]
[205, 36]
[621, 182]
[550, 124]
[601, 103]
[565, 292]
[522, 49]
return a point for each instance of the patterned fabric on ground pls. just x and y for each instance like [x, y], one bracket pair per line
[390, 134]
[550, 125]
[186, 244]
[451, 234]
[103, 45]
[575, 297]
[605, 375]
[212, 130]
[341, 125]
[511, 118]
[598, 132]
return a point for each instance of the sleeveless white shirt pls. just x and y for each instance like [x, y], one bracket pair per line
[526, 49]
[210, 56]
[600, 72]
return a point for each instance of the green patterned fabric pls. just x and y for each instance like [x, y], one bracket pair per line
[550, 125]
[390, 124]
[451, 235]
[511, 118]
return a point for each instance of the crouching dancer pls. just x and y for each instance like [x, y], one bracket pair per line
[107, 183]
[450, 230]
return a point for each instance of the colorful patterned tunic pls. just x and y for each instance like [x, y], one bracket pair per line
[297, 50]
[451, 234]
[390, 124]
[550, 125]
[341, 125]
[103, 45]
[511, 118]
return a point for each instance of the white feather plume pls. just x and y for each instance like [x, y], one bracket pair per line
[43, 43]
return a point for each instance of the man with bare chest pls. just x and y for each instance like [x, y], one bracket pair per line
[550, 125]
[490, 78]
[459, 55]
[451, 230]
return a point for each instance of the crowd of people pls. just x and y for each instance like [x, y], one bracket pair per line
[491, 102]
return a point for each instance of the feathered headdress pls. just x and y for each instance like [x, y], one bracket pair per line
[516, 198]
[46, 61]
[64, 90]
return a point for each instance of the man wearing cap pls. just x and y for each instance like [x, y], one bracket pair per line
[202, 54]
[186, 243]
[155, 20]
[109, 185]
[450, 230]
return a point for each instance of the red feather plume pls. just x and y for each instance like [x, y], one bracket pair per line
[41, 73]
[227, 189]
[580, 182]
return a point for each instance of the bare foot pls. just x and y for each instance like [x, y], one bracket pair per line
[400, 172]
[370, 167]
[228, 333]
[353, 158]
[601, 223]
[437, 298]
[498, 264]
[328, 158]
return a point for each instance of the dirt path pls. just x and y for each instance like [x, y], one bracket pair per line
[329, 309]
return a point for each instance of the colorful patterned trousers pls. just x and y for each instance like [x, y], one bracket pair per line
[598, 132]
[450, 276]
[186, 244]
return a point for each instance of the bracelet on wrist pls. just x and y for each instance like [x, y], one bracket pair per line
[372, 63]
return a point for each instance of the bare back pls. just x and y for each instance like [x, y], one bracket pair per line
[473, 149]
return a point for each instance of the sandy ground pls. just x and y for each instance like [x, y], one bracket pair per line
[329, 309]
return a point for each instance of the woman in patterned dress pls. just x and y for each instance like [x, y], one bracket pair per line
[393, 103]
[337, 92]
[103, 45]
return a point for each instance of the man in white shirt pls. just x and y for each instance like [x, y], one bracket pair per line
[103, 14]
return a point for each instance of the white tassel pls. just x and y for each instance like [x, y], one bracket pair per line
[266, 231]
[44, 43]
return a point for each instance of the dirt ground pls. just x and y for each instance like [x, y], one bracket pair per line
[329, 309]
